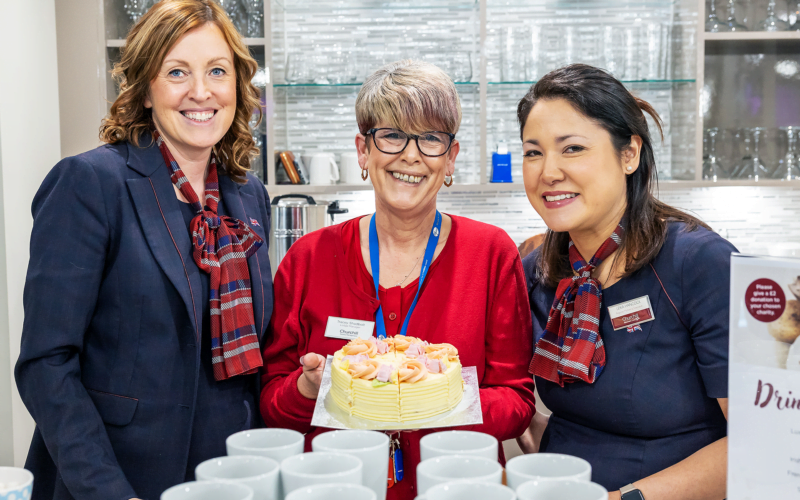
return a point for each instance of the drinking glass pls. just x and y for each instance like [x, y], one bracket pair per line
[551, 46]
[791, 161]
[742, 139]
[255, 16]
[712, 170]
[590, 40]
[614, 50]
[714, 24]
[772, 22]
[732, 24]
[462, 67]
[135, 9]
[632, 55]
[297, 70]
[754, 168]
[651, 65]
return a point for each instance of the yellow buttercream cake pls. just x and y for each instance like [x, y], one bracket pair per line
[398, 379]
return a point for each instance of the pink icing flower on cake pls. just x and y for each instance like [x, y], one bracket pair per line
[384, 373]
[360, 346]
[415, 350]
[403, 342]
[433, 365]
[382, 347]
[412, 371]
[358, 358]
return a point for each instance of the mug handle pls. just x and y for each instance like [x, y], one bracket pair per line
[334, 170]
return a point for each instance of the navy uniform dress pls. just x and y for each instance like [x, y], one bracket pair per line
[655, 402]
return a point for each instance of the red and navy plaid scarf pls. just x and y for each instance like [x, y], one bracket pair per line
[221, 248]
[571, 347]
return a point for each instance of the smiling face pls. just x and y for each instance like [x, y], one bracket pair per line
[574, 177]
[406, 182]
[193, 97]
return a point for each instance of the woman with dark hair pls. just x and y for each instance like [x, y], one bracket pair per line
[629, 298]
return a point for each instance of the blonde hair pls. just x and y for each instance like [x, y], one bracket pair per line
[412, 96]
[146, 46]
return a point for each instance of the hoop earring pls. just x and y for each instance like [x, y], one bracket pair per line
[448, 180]
[364, 174]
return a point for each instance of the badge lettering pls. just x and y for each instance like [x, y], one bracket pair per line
[349, 329]
[631, 314]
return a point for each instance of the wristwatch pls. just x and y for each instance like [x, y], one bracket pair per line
[630, 492]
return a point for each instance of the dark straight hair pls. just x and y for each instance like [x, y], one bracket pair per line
[603, 99]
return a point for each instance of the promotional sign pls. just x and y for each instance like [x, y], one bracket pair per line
[764, 379]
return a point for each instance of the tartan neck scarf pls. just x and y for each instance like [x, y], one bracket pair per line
[221, 248]
[571, 347]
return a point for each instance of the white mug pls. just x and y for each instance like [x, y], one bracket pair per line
[320, 467]
[462, 490]
[277, 444]
[458, 443]
[445, 469]
[558, 489]
[546, 465]
[323, 169]
[16, 482]
[208, 490]
[370, 446]
[262, 474]
[332, 491]
[349, 168]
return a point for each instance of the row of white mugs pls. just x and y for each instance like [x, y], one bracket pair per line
[322, 168]
[269, 464]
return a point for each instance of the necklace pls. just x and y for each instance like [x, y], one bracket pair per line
[409, 273]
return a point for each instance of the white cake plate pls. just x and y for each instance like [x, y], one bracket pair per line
[468, 411]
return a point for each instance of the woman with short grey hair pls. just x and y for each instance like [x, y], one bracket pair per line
[407, 267]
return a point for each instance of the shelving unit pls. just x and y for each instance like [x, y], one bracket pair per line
[753, 43]
[371, 28]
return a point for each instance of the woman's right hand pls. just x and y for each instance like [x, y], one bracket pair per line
[308, 383]
[531, 439]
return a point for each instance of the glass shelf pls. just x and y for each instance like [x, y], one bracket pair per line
[120, 42]
[384, 5]
[623, 81]
[298, 85]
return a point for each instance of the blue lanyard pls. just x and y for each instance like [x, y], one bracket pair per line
[375, 261]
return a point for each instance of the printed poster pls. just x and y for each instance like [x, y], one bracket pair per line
[764, 379]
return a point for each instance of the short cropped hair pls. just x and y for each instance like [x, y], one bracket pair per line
[412, 96]
[145, 48]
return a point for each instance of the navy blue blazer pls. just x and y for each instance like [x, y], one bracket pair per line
[110, 354]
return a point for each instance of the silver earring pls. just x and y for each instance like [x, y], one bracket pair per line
[630, 168]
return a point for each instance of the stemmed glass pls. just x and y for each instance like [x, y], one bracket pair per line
[753, 168]
[135, 9]
[796, 25]
[732, 24]
[714, 24]
[255, 16]
[772, 22]
[712, 169]
[791, 161]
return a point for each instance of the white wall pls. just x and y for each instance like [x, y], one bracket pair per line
[29, 147]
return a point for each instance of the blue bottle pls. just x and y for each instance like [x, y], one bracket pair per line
[501, 163]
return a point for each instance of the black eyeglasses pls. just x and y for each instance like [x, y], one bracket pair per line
[392, 141]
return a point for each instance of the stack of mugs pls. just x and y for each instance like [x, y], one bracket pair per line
[463, 464]
[269, 464]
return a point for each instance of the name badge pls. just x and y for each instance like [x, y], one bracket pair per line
[348, 329]
[630, 313]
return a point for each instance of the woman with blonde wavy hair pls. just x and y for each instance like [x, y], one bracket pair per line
[149, 287]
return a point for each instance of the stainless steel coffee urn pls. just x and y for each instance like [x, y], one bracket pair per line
[294, 215]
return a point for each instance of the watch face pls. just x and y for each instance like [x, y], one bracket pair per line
[633, 495]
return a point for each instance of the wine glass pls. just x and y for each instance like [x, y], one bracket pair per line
[255, 16]
[754, 168]
[796, 25]
[712, 169]
[135, 9]
[714, 24]
[732, 24]
[772, 22]
[791, 162]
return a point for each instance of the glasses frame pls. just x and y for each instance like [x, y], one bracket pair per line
[408, 139]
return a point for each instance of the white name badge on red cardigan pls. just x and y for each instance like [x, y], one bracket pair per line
[631, 313]
[349, 329]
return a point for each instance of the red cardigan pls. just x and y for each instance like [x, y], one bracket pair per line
[474, 297]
